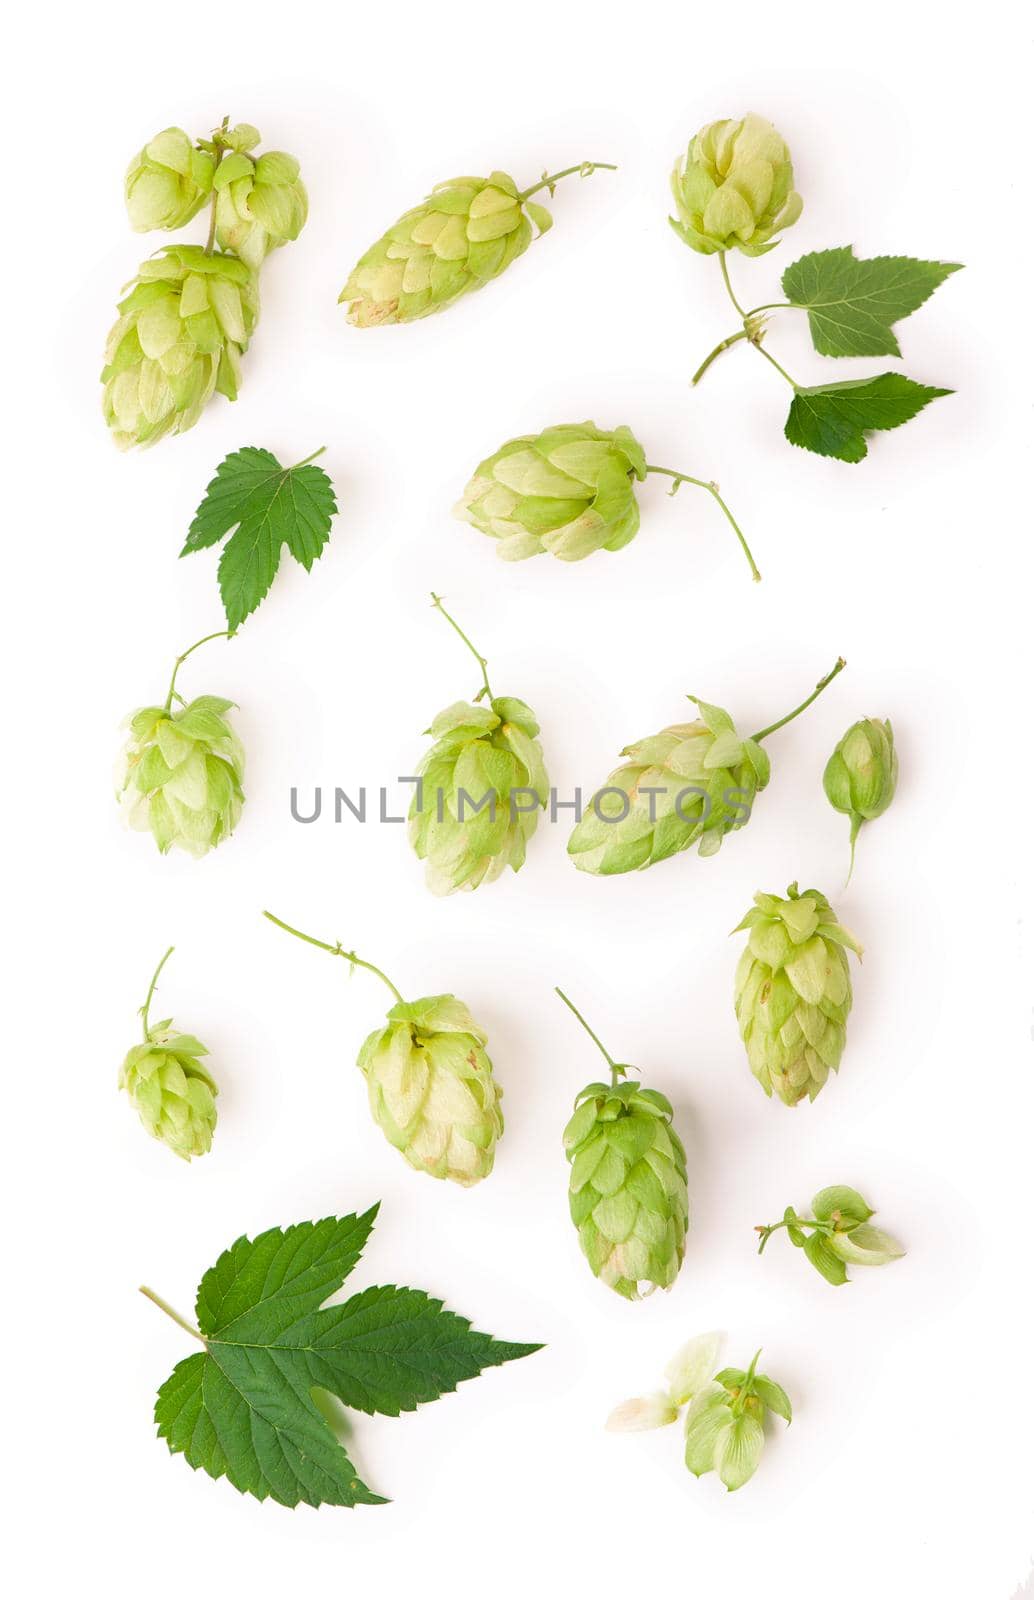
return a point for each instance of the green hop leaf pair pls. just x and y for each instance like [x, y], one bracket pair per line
[692, 783]
[793, 992]
[247, 1405]
[837, 1235]
[170, 1088]
[725, 1413]
[627, 1191]
[463, 235]
[861, 775]
[430, 1082]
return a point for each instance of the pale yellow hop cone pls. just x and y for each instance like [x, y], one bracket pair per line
[167, 182]
[170, 1088]
[733, 188]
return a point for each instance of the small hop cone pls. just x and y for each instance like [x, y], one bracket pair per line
[568, 491]
[182, 329]
[261, 203]
[181, 775]
[725, 1424]
[706, 777]
[793, 992]
[167, 182]
[628, 1194]
[734, 188]
[432, 1091]
[173, 1092]
[487, 757]
[861, 775]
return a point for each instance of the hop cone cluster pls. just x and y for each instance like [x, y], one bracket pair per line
[431, 1088]
[734, 188]
[704, 776]
[628, 1192]
[261, 203]
[182, 328]
[465, 233]
[173, 1092]
[793, 992]
[862, 773]
[483, 783]
[168, 182]
[181, 775]
[569, 491]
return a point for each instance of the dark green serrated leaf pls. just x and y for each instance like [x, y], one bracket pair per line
[244, 1408]
[833, 419]
[852, 303]
[270, 506]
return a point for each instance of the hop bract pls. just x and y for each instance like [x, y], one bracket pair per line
[725, 1424]
[482, 785]
[862, 773]
[260, 203]
[173, 1092]
[182, 329]
[432, 1090]
[181, 775]
[168, 182]
[689, 784]
[734, 188]
[793, 992]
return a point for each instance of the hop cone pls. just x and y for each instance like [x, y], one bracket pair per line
[181, 332]
[705, 777]
[862, 773]
[168, 182]
[465, 233]
[734, 188]
[569, 490]
[793, 992]
[431, 1088]
[628, 1192]
[481, 756]
[260, 204]
[173, 1092]
[181, 775]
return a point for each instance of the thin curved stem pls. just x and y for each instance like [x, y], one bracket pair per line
[163, 1305]
[321, 451]
[616, 1070]
[146, 1007]
[781, 370]
[224, 633]
[475, 652]
[823, 683]
[767, 1230]
[712, 489]
[725, 344]
[220, 151]
[775, 305]
[728, 285]
[585, 169]
[336, 950]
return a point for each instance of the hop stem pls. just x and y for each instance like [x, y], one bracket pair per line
[316, 453]
[146, 1007]
[769, 1229]
[224, 633]
[752, 330]
[163, 1305]
[336, 950]
[220, 151]
[585, 169]
[616, 1070]
[822, 684]
[715, 353]
[712, 488]
[478, 657]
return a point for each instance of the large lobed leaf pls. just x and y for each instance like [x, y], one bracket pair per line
[833, 419]
[852, 304]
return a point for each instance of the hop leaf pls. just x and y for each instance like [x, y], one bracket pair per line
[833, 419]
[852, 303]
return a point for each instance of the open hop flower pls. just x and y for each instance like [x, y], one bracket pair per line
[463, 235]
[431, 1087]
[168, 181]
[480, 788]
[862, 773]
[837, 1234]
[733, 188]
[628, 1194]
[172, 1091]
[260, 204]
[793, 992]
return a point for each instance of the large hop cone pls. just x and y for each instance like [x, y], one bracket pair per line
[260, 203]
[793, 992]
[173, 1092]
[182, 329]
[482, 785]
[628, 1192]
[734, 188]
[432, 1092]
[167, 182]
[569, 491]
[703, 776]
[465, 233]
[181, 775]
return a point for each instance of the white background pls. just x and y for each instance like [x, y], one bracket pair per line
[908, 1464]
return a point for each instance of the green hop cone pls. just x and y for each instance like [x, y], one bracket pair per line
[181, 771]
[183, 326]
[838, 1234]
[463, 235]
[793, 992]
[167, 182]
[481, 787]
[627, 1190]
[172, 1091]
[431, 1087]
[260, 204]
[862, 773]
[733, 188]
[725, 1424]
